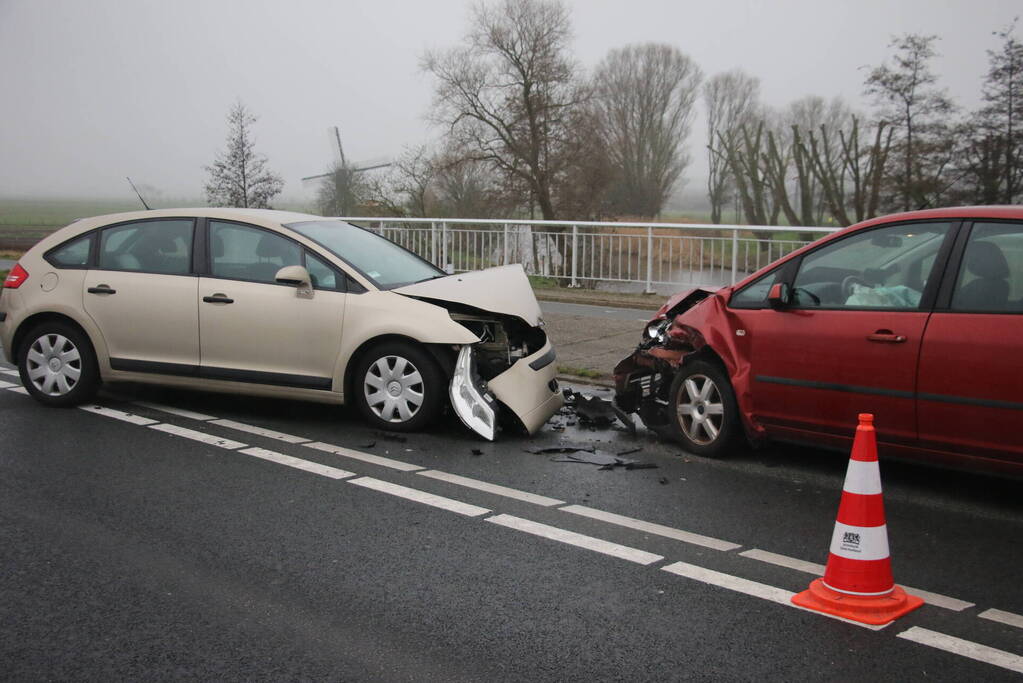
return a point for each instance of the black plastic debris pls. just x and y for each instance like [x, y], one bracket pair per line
[371, 444]
[387, 436]
[662, 480]
[561, 448]
[606, 461]
[630, 451]
[477, 451]
[596, 412]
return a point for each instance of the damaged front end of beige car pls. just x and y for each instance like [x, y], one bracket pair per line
[508, 375]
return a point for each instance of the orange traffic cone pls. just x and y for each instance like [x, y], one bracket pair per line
[858, 581]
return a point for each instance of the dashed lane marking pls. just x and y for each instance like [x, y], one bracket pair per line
[12, 373]
[420, 496]
[964, 648]
[752, 588]
[935, 599]
[578, 540]
[496, 489]
[19, 390]
[180, 412]
[260, 431]
[7, 385]
[198, 436]
[118, 415]
[651, 528]
[364, 457]
[298, 463]
[1007, 618]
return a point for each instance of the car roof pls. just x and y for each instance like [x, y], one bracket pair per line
[264, 217]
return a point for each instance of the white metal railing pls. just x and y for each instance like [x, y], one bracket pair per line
[646, 254]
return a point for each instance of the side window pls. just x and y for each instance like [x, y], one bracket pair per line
[754, 295]
[991, 273]
[243, 253]
[882, 268]
[322, 275]
[73, 254]
[162, 246]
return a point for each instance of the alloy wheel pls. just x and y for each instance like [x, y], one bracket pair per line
[701, 412]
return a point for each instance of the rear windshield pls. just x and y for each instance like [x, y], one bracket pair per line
[381, 260]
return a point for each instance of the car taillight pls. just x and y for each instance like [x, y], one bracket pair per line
[16, 278]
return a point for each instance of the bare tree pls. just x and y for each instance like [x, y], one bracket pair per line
[911, 101]
[732, 102]
[412, 178]
[342, 190]
[643, 96]
[505, 94]
[239, 177]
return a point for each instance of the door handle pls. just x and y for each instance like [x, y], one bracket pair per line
[217, 299]
[102, 289]
[886, 337]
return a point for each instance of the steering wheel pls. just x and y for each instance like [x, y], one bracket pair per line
[848, 282]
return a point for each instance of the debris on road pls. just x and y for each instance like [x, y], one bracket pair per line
[477, 451]
[561, 448]
[371, 444]
[386, 436]
[606, 461]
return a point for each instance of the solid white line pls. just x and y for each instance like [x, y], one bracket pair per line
[260, 431]
[579, 540]
[364, 457]
[119, 415]
[1007, 618]
[210, 439]
[753, 588]
[420, 496]
[298, 463]
[180, 412]
[19, 390]
[964, 648]
[496, 489]
[936, 599]
[7, 385]
[651, 528]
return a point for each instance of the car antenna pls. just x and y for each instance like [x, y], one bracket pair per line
[138, 193]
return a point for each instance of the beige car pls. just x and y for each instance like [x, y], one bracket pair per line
[273, 303]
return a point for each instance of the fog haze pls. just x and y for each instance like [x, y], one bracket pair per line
[94, 91]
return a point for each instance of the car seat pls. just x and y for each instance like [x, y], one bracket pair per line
[274, 253]
[989, 290]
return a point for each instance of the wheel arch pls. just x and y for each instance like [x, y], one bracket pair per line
[35, 320]
[441, 353]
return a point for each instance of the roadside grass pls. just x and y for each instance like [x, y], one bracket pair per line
[579, 372]
[3, 274]
[11, 255]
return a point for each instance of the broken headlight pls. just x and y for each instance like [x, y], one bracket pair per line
[656, 331]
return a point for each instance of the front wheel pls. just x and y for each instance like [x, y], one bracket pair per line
[399, 387]
[58, 366]
[702, 412]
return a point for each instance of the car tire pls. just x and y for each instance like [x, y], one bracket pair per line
[702, 413]
[58, 365]
[399, 387]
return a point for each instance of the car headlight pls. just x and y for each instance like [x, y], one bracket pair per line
[655, 330]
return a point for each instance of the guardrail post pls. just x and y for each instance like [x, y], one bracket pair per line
[505, 244]
[575, 255]
[433, 243]
[735, 254]
[444, 248]
[649, 259]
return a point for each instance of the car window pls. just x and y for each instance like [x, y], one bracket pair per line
[322, 275]
[72, 254]
[991, 273]
[242, 253]
[881, 268]
[754, 295]
[155, 246]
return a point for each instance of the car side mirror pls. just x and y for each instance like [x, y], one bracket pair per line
[294, 276]
[780, 295]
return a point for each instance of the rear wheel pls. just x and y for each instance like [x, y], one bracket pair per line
[58, 366]
[702, 412]
[399, 387]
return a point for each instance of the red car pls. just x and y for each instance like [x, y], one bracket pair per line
[916, 318]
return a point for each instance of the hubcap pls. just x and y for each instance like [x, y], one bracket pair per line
[54, 365]
[701, 412]
[393, 389]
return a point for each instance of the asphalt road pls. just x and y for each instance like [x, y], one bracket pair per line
[138, 543]
[633, 314]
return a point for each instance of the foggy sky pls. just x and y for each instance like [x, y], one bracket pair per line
[94, 91]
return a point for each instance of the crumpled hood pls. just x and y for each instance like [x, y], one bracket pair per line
[504, 289]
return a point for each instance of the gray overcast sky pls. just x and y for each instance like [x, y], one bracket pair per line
[99, 89]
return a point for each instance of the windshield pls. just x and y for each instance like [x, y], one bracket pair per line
[381, 260]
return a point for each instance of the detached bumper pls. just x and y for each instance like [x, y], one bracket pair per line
[528, 388]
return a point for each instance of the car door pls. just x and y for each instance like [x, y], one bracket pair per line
[849, 340]
[142, 295]
[970, 364]
[254, 329]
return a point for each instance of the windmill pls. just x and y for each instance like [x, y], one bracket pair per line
[339, 187]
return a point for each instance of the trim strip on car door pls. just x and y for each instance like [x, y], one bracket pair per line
[544, 360]
[228, 374]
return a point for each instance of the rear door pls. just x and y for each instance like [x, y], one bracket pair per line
[971, 365]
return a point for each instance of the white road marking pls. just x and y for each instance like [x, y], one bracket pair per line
[752, 588]
[260, 431]
[19, 390]
[180, 412]
[1007, 618]
[12, 373]
[492, 488]
[579, 540]
[935, 599]
[298, 463]
[964, 648]
[210, 439]
[364, 457]
[7, 385]
[651, 528]
[420, 496]
[118, 415]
